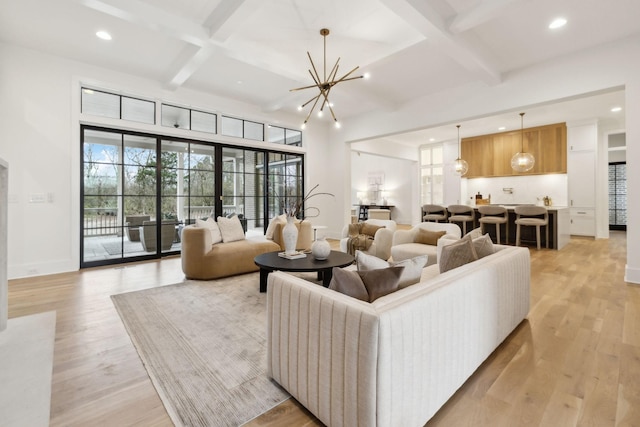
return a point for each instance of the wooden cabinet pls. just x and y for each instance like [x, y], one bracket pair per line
[490, 155]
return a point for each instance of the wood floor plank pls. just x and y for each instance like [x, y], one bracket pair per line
[574, 361]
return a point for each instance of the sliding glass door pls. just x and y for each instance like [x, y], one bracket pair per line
[139, 191]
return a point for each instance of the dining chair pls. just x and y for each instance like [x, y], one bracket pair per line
[435, 213]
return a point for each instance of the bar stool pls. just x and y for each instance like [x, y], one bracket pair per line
[463, 214]
[496, 215]
[532, 216]
[435, 213]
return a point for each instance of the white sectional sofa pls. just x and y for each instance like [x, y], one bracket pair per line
[396, 361]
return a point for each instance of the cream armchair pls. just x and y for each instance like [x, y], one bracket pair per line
[404, 244]
[381, 246]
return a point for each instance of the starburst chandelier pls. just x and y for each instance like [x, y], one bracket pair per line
[325, 84]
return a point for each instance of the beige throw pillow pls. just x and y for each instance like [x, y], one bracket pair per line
[457, 254]
[271, 228]
[427, 237]
[410, 275]
[483, 246]
[213, 228]
[231, 229]
[369, 229]
[475, 233]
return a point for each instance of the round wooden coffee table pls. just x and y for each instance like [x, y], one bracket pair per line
[271, 261]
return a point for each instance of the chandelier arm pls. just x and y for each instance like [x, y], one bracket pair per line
[325, 93]
[313, 65]
[335, 119]
[312, 108]
[314, 78]
[315, 97]
[351, 78]
[346, 75]
[302, 88]
[334, 71]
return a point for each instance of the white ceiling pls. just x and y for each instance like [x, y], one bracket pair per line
[255, 50]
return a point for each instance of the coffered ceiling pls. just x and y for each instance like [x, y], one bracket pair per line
[255, 50]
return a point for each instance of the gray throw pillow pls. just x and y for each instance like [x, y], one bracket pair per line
[457, 254]
[348, 283]
[412, 267]
[381, 282]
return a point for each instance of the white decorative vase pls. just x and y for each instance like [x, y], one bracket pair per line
[290, 236]
[320, 249]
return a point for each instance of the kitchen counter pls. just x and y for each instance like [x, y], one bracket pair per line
[559, 227]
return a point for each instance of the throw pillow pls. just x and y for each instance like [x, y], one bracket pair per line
[381, 282]
[410, 275]
[354, 229]
[457, 254]
[427, 237]
[483, 246]
[475, 233]
[348, 283]
[210, 224]
[231, 229]
[369, 229]
[271, 228]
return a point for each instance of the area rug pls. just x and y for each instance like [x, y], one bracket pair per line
[203, 344]
[26, 364]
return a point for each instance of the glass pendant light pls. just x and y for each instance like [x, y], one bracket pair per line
[460, 166]
[522, 161]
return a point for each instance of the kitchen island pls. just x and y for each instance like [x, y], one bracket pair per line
[559, 227]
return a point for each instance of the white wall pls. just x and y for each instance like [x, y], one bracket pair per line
[40, 139]
[399, 181]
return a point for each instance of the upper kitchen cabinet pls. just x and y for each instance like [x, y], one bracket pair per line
[490, 155]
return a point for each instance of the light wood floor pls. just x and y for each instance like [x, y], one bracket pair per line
[574, 362]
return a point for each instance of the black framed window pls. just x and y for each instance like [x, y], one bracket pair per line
[139, 190]
[618, 196]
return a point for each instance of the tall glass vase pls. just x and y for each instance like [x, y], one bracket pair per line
[290, 236]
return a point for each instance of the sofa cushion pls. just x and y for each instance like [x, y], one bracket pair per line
[348, 283]
[212, 226]
[427, 237]
[231, 229]
[457, 254]
[483, 246]
[412, 267]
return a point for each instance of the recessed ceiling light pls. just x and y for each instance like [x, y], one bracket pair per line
[616, 109]
[367, 75]
[103, 35]
[501, 128]
[557, 23]
[432, 139]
